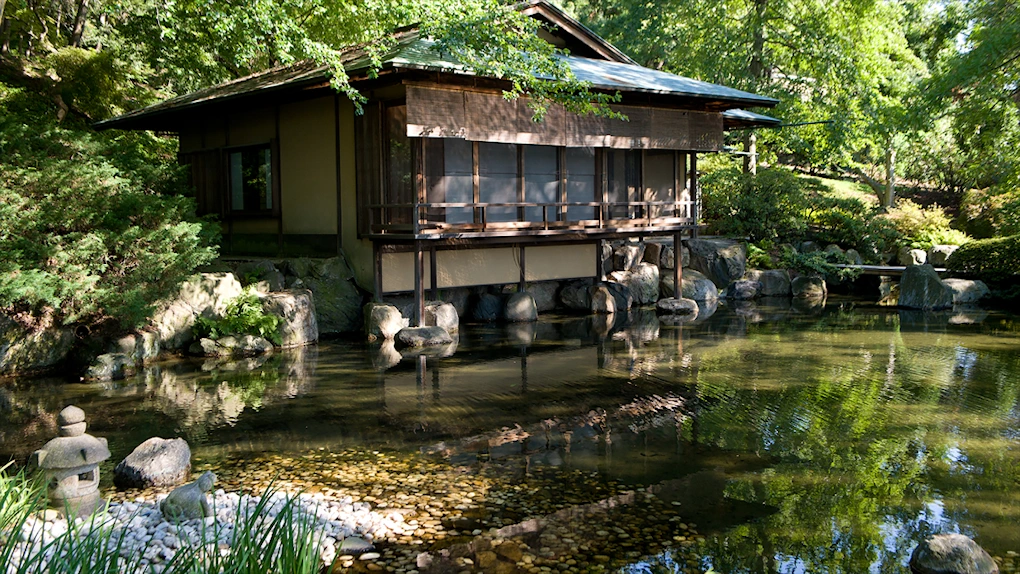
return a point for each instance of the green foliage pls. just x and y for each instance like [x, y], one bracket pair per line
[922, 227]
[758, 257]
[850, 223]
[88, 228]
[243, 316]
[820, 263]
[994, 259]
[763, 206]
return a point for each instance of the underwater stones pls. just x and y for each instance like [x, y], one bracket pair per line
[521, 308]
[189, 502]
[921, 288]
[296, 310]
[383, 321]
[808, 287]
[155, 462]
[951, 554]
[423, 336]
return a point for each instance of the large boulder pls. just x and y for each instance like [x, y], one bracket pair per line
[854, 257]
[206, 295]
[938, 255]
[667, 254]
[921, 288]
[576, 296]
[966, 291]
[520, 308]
[458, 297]
[383, 321]
[644, 283]
[262, 274]
[626, 256]
[774, 282]
[602, 300]
[623, 295]
[23, 350]
[951, 554]
[545, 295]
[653, 252]
[721, 260]
[337, 305]
[141, 346]
[743, 289]
[694, 286]
[908, 256]
[110, 367]
[296, 310]
[440, 314]
[808, 287]
[155, 462]
[488, 308]
[423, 337]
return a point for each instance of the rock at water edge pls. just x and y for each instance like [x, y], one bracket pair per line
[743, 289]
[155, 462]
[951, 554]
[774, 282]
[521, 308]
[602, 300]
[576, 296]
[921, 288]
[383, 321]
[694, 286]
[673, 306]
[908, 256]
[808, 287]
[296, 310]
[423, 337]
[966, 291]
[488, 308]
[721, 260]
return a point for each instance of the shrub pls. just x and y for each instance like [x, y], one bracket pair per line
[85, 236]
[851, 223]
[990, 259]
[243, 316]
[821, 263]
[768, 205]
[922, 227]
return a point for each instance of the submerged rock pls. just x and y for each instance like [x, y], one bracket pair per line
[155, 462]
[951, 554]
[423, 336]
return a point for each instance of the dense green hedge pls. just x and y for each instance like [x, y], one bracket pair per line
[990, 259]
[766, 206]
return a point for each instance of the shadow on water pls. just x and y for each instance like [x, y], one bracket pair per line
[799, 435]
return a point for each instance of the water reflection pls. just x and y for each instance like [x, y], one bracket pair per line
[805, 436]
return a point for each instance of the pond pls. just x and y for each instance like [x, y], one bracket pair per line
[761, 438]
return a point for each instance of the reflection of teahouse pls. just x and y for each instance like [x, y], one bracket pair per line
[70, 463]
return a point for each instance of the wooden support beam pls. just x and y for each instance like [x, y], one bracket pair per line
[433, 273]
[523, 283]
[419, 291]
[694, 193]
[377, 272]
[600, 268]
[678, 272]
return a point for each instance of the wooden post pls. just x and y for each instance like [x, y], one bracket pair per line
[377, 272]
[419, 292]
[600, 268]
[678, 272]
[694, 193]
[522, 285]
[433, 274]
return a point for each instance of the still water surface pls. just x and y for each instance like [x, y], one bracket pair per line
[799, 440]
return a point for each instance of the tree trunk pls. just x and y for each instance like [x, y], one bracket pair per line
[890, 173]
[79, 23]
[751, 149]
[756, 67]
[3, 4]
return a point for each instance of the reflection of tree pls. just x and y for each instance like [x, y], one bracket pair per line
[870, 429]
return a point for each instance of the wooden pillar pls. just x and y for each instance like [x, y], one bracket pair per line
[694, 193]
[523, 283]
[419, 292]
[377, 272]
[433, 274]
[600, 268]
[678, 272]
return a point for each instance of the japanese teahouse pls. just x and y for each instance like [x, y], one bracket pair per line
[441, 182]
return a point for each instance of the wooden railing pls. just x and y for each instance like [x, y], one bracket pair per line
[434, 219]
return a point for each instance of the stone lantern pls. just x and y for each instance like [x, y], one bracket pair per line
[70, 464]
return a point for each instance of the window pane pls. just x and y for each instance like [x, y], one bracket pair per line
[457, 179]
[659, 179]
[497, 168]
[399, 180]
[623, 171]
[251, 179]
[541, 181]
[580, 171]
